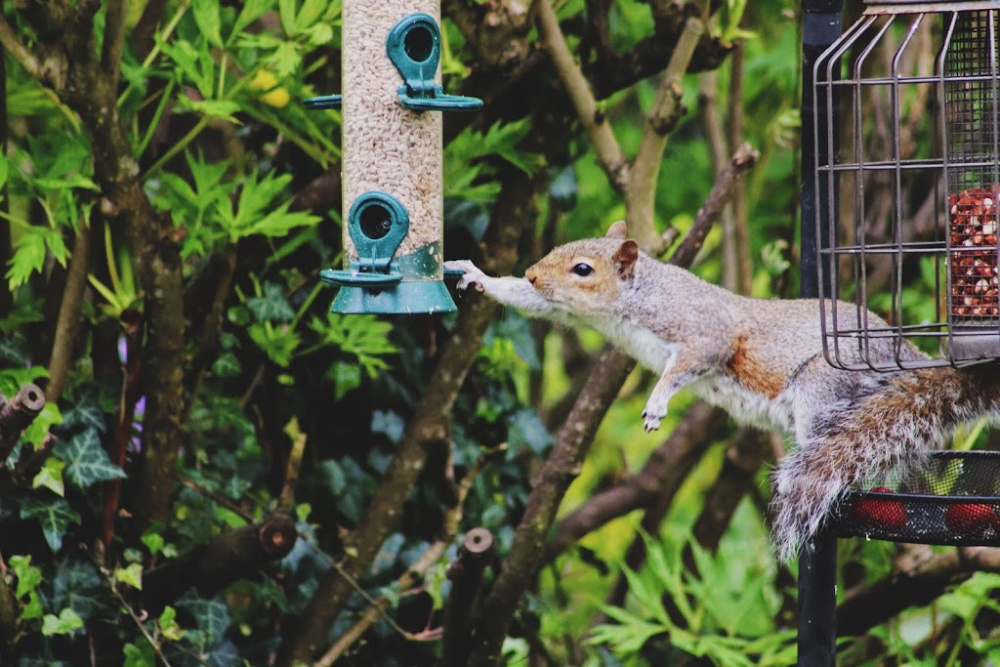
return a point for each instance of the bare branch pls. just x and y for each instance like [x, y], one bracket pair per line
[69, 315]
[609, 153]
[114, 40]
[20, 53]
[743, 159]
[919, 576]
[16, 414]
[658, 480]
[667, 109]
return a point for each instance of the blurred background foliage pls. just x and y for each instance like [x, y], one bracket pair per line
[211, 101]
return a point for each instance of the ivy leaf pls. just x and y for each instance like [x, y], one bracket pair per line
[64, 624]
[87, 462]
[51, 476]
[77, 585]
[55, 518]
[131, 575]
[28, 576]
[527, 429]
[86, 412]
[211, 617]
[167, 622]
[272, 306]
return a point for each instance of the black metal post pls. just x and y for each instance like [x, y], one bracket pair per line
[817, 629]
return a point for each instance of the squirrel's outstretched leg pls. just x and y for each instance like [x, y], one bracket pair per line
[516, 292]
[682, 369]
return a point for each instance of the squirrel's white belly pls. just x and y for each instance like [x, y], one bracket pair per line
[638, 342]
[746, 406]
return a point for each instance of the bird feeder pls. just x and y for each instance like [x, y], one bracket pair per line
[392, 156]
[901, 172]
[908, 200]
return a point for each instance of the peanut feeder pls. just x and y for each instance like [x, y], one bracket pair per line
[392, 185]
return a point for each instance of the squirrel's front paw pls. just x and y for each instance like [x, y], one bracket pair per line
[651, 422]
[653, 413]
[471, 275]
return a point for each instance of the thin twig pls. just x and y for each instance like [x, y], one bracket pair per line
[142, 628]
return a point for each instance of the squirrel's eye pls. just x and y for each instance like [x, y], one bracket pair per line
[583, 269]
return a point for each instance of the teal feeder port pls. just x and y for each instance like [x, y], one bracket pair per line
[378, 281]
[414, 47]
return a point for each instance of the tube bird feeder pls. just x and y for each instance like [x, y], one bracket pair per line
[392, 158]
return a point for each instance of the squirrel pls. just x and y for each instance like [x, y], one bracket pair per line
[761, 360]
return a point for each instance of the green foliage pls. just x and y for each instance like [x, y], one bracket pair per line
[86, 461]
[725, 614]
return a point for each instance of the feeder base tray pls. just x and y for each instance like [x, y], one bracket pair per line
[953, 500]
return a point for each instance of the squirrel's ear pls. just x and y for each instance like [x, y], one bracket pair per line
[625, 258]
[617, 231]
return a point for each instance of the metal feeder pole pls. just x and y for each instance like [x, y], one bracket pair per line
[821, 26]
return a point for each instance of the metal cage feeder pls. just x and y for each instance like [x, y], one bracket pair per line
[908, 186]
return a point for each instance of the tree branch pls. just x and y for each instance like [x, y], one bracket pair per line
[744, 158]
[609, 153]
[657, 482]
[114, 40]
[919, 576]
[640, 192]
[16, 414]
[69, 315]
[237, 554]
[20, 53]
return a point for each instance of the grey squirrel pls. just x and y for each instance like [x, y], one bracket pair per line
[761, 360]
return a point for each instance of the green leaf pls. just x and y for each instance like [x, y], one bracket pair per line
[346, 377]
[55, 518]
[64, 624]
[272, 305]
[278, 342]
[51, 476]
[206, 15]
[167, 622]
[142, 655]
[77, 585]
[223, 109]
[211, 617]
[251, 11]
[28, 576]
[131, 575]
[527, 429]
[28, 258]
[87, 462]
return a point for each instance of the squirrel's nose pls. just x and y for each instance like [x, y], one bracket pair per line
[530, 275]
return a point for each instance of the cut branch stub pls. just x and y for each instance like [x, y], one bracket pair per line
[16, 414]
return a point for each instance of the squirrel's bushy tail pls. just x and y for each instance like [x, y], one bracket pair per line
[889, 426]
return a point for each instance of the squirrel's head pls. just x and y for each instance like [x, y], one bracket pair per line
[586, 274]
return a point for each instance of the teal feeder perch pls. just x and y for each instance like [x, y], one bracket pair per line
[392, 154]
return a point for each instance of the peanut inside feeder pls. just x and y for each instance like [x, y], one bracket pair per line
[974, 227]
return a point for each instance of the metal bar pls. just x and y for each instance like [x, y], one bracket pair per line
[821, 26]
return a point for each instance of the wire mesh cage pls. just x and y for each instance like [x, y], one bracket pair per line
[908, 187]
[953, 500]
